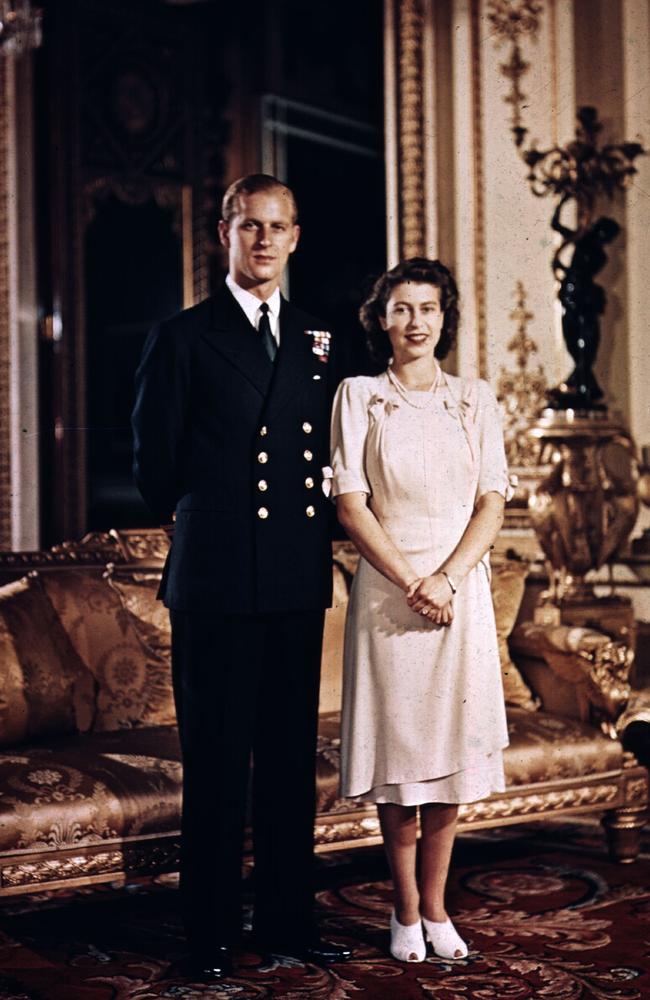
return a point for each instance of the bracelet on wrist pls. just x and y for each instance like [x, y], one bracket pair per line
[452, 585]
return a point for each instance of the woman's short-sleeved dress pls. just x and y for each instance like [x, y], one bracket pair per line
[423, 716]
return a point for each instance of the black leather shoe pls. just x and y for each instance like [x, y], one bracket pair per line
[326, 952]
[317, 951]
[205, 969]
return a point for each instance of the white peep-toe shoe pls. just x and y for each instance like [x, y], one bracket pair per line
[445, 939]
[406, 941]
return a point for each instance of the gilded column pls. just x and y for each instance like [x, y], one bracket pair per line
[406, 163]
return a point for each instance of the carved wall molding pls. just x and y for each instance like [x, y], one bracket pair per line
[6, 68]
[406, 132]
[521, 390]
[480, 271]
[411, 131]
[134, 190]
[512, 21]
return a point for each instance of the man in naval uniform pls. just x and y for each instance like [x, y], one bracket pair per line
[231, 439]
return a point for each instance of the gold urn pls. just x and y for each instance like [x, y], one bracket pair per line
[586, 505]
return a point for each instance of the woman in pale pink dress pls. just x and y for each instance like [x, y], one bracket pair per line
[420, 478]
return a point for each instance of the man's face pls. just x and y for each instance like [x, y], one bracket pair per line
[259, 238]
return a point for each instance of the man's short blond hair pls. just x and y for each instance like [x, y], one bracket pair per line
[253, 184]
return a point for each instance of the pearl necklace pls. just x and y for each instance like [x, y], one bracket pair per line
[404, 392]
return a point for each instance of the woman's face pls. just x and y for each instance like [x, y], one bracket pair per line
[413, 320]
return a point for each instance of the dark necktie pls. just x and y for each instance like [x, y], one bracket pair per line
[264, 330]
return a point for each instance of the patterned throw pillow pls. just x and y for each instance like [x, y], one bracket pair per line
[134, 681]
[149, 616]
[46, 690]
[508, 584]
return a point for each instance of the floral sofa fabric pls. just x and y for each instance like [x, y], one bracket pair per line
[133, 679]
[83, 792]
[90, 772]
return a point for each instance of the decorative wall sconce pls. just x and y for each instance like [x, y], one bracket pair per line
[20, 27]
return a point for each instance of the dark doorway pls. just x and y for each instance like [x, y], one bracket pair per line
[133, 277]
[147, 111]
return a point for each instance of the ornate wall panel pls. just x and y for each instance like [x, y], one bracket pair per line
[518, 70]
[459, 182]
[520, 91]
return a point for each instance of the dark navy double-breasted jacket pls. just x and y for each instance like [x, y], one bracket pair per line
[233, 447]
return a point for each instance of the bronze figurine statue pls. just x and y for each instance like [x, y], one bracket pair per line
[583, 302]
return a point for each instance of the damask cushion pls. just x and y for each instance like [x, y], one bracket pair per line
[149, 616]
[508, 584]
[149, 619]
[134, 682]
[78, 791]
[45, 688]
[545, 746]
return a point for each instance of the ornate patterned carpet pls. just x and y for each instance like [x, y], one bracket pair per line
[544, 912]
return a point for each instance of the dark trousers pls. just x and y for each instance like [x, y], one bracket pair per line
[247, 684]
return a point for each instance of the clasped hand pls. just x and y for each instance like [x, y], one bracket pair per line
[431, 596]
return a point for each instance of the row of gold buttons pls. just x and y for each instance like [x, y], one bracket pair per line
[307, 428]
[310, 511]
[262, 484]
[263, 456]
[263, 512]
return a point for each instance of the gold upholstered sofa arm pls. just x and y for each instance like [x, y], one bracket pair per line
[575, 671]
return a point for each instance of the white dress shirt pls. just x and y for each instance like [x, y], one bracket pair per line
[251, 306]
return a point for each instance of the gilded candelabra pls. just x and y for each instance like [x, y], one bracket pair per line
[585, 508]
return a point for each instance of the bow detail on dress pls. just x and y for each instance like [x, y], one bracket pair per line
[379, 404]
[463, 408]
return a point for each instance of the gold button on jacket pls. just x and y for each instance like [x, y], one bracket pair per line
[310, 511]
[262, 486]
[308, 455]
[262, 458]
[263, 513]
[309, 483]
[307, 428]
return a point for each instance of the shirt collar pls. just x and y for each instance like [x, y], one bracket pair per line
[251, 304]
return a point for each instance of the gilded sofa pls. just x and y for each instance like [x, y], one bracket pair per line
[90, 773]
